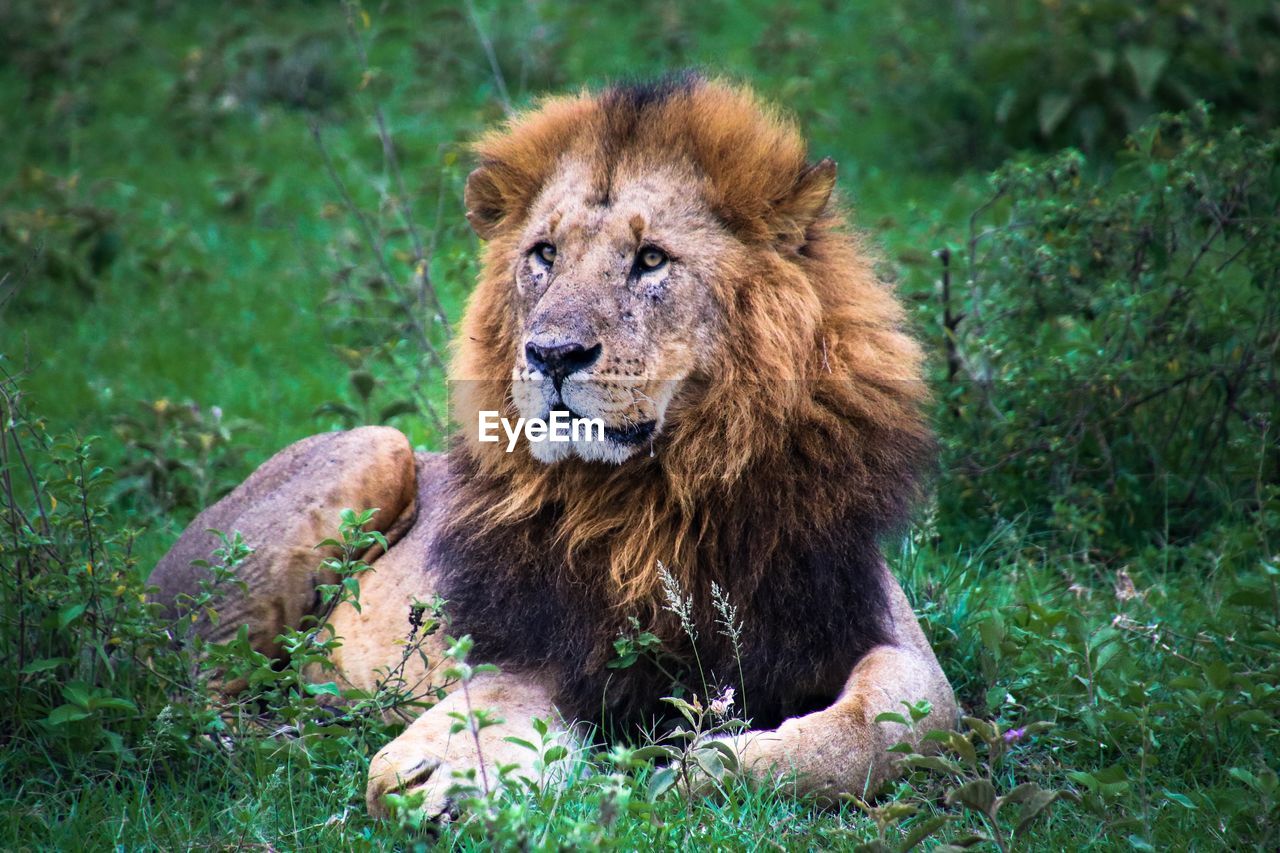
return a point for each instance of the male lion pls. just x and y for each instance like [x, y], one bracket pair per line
[661, 257]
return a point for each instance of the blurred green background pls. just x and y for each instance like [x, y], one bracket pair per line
[206, 253]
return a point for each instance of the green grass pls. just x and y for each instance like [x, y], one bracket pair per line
[229, 305]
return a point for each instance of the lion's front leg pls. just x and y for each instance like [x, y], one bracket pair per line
[430, 757]
[842, 749]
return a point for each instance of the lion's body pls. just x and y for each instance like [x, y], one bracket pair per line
[762, 406]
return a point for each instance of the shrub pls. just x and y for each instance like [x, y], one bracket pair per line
[56, 243]
[99, 678]
[89, 667]
[1111, 342]
[178, 456]
[1033, 73]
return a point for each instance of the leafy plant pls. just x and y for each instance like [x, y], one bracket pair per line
[52, 232]
[970, 768]
[89, 659]
[1085, 73]
[1111, 341]
[179, 456]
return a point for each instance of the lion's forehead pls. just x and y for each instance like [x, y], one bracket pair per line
[638, 200]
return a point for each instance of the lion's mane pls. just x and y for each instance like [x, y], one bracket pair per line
[776, 482]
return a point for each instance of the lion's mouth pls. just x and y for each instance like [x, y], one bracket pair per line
[628, 435]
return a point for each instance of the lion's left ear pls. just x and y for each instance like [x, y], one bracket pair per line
[485, 205]
[806, 202]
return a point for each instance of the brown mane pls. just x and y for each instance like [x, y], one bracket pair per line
[776, 481]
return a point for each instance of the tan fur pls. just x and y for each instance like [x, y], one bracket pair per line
[286, 506]
[784, 392]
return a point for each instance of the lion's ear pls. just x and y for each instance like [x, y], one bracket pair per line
[484, 202]
[806, 202]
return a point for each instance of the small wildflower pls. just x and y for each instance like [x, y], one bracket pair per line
[677, 602]
[723, 704]
[1014, 735]
[1125, 588]
[730, 626]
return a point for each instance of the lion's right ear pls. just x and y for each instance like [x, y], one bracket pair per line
[486, 207]
[806, 201]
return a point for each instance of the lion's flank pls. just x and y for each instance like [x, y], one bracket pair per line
[776, 481]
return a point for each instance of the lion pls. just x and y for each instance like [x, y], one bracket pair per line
[664, 259]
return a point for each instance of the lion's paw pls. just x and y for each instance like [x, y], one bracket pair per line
[407, 773]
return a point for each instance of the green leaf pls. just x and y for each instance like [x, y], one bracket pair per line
[985, 730]
[655, 752]
[1181, 799]
[727, 754]
[521, 742]
[64, 714]
[328, 688]
[660, 782]
[1148, 64]
[1256, 716]
[991, 630]
[334, 408]
[1020, 794]
[555, 753]
[1104, 61]
[683, 707]
[1246, 777]
[1036, 803]
[709, 761]
[399, 407]
[919, 710]
[963, 842]
[1249, 598]
[934, 762]
[77, 693]
[113, 703]
[873, 846]
[1051, 110]
[363, 382]
[43, 665]
[891, 717]
[70, 613]
[979, 795]
[922, 830]
[962, 747]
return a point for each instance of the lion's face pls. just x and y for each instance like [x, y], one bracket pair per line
[614, 304]
[665, 259]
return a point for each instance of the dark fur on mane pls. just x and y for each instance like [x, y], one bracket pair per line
[811, 605]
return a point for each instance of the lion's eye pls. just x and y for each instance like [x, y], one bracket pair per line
[545, 252]
[651, 258]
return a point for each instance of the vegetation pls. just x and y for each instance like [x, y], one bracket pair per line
[221, 233]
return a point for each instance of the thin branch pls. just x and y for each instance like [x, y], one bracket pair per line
[375, 244]
[489, 53]
[401, 199]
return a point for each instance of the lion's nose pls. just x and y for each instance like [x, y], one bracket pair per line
[560, 360]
